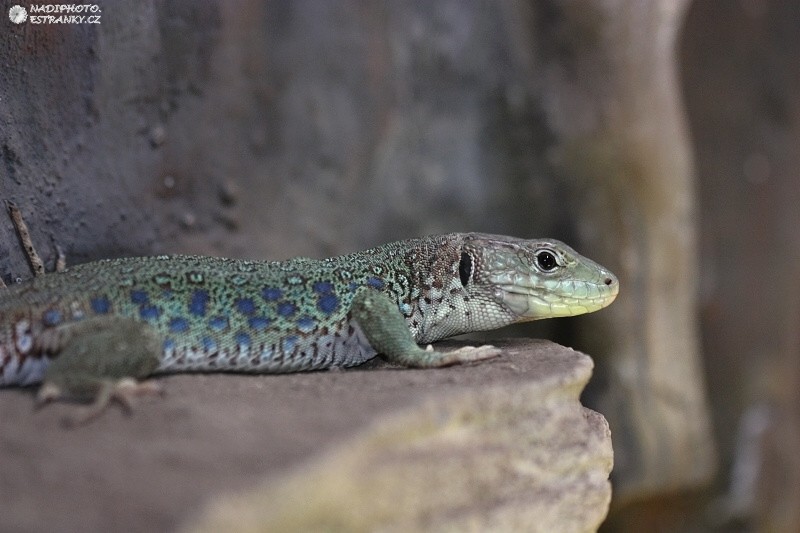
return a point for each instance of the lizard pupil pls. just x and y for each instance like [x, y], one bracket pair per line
[465, 268]
[546, 261]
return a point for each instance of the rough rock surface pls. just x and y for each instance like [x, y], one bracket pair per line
[504, 444]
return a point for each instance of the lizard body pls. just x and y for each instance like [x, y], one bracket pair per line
[119, 318]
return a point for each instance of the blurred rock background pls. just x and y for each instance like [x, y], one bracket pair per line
[659, 137]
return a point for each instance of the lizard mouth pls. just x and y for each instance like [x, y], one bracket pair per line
[562, 298]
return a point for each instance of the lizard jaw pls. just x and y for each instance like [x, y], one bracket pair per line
[564, 298]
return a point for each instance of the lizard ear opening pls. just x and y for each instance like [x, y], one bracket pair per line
[465, 268]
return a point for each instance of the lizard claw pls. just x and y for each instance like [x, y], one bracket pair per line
[126, 389]
[48, 392]
[469, 354]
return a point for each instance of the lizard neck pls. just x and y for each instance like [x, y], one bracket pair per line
[422, 276]
[433, 300]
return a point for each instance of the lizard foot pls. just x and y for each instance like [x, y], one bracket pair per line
[467, 354]
[122, 391]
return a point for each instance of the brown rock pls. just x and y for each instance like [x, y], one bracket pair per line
[503, 444]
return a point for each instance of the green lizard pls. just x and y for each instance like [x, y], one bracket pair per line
[90, 331]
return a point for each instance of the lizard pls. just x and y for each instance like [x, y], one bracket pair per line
[95, 331]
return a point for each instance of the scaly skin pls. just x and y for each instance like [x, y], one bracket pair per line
[212, 314]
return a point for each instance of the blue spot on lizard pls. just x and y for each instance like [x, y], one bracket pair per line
[139, 297]
[328, 303]
[218, 323]
[322, 287]
[245, 306]
[209, 344]
[100, 305]
[306, 324]
[289, 343]
[375, 283]
[149, 312]
[242, 338]
[286, 309]
[271, 294]
[178, 325]
[258, 322]
[198, 302]
[52, 317]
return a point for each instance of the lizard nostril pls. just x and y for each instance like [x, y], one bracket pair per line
[609, 281]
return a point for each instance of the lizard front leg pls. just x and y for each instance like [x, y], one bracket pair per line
[387, 332]
[99, 359]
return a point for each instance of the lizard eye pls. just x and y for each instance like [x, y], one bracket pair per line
[465, 268]
[546, 260]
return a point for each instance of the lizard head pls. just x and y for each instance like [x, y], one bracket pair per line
[518, 280]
